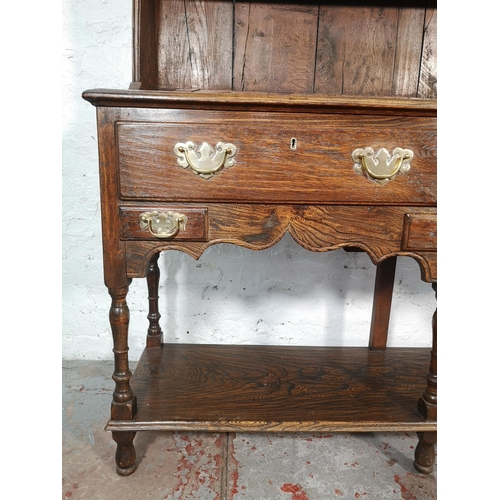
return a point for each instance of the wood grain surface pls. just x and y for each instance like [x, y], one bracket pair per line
[279, 389]
[275, 47]
[375, 230]
[428, 72]
[153, 101]
[195, 44]
[258, 74]
[420, 232]
[362, 48]
[356, 50]
[319, 170]
[196, 228]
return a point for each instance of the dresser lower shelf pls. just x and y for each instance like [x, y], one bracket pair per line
[226, 388]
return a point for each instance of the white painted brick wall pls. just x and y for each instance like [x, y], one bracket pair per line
[283, 295]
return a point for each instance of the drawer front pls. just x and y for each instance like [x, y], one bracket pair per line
[292, 160]
[164, 223]
[420, 232]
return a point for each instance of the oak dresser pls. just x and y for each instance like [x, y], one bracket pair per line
[187, 169]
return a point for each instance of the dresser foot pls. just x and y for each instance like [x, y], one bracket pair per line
[425, 452]
[125, 453]
[126, 472]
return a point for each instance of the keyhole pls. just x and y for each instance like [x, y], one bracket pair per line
[293, 144]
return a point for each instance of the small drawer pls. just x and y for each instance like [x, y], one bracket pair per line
[420, 232]
[164, 223]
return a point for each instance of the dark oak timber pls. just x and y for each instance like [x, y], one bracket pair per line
[357, 48]
[320, 170]
[125, 453]
[376, 230]
[280, 389]
[155, 334]
[124, 401]
[427, 406]
[382, 300]
[295, 88]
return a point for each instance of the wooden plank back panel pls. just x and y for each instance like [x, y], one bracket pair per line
[174, 68]
[195, 44]
[427, 87]
[275, 47]
[356, 50]
[408, 52]
[370, 48]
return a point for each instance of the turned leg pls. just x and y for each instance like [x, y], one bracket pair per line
[427, 406]
[123, 406]
[425, 452]
[155, 335]
[382, 301]
[125, 452]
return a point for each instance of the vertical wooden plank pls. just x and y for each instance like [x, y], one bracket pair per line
[174, 69]
[195, 44]
[210, 30]
[275, 46]
[356, 49]
[427, 87]
[145, 56]
[408, 51]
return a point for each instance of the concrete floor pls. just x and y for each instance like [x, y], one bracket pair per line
[226, 466]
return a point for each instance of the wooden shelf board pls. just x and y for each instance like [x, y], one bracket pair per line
[226, 388]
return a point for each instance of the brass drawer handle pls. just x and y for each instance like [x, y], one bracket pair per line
[163, 225]
[382, 167]
[203, 160]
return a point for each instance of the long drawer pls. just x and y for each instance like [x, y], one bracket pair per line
[280, 158]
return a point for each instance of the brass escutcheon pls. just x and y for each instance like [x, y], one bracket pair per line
[163, 225]
[204, 160]
[382, 166]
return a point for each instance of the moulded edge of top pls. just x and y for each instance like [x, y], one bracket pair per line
[253, 101]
